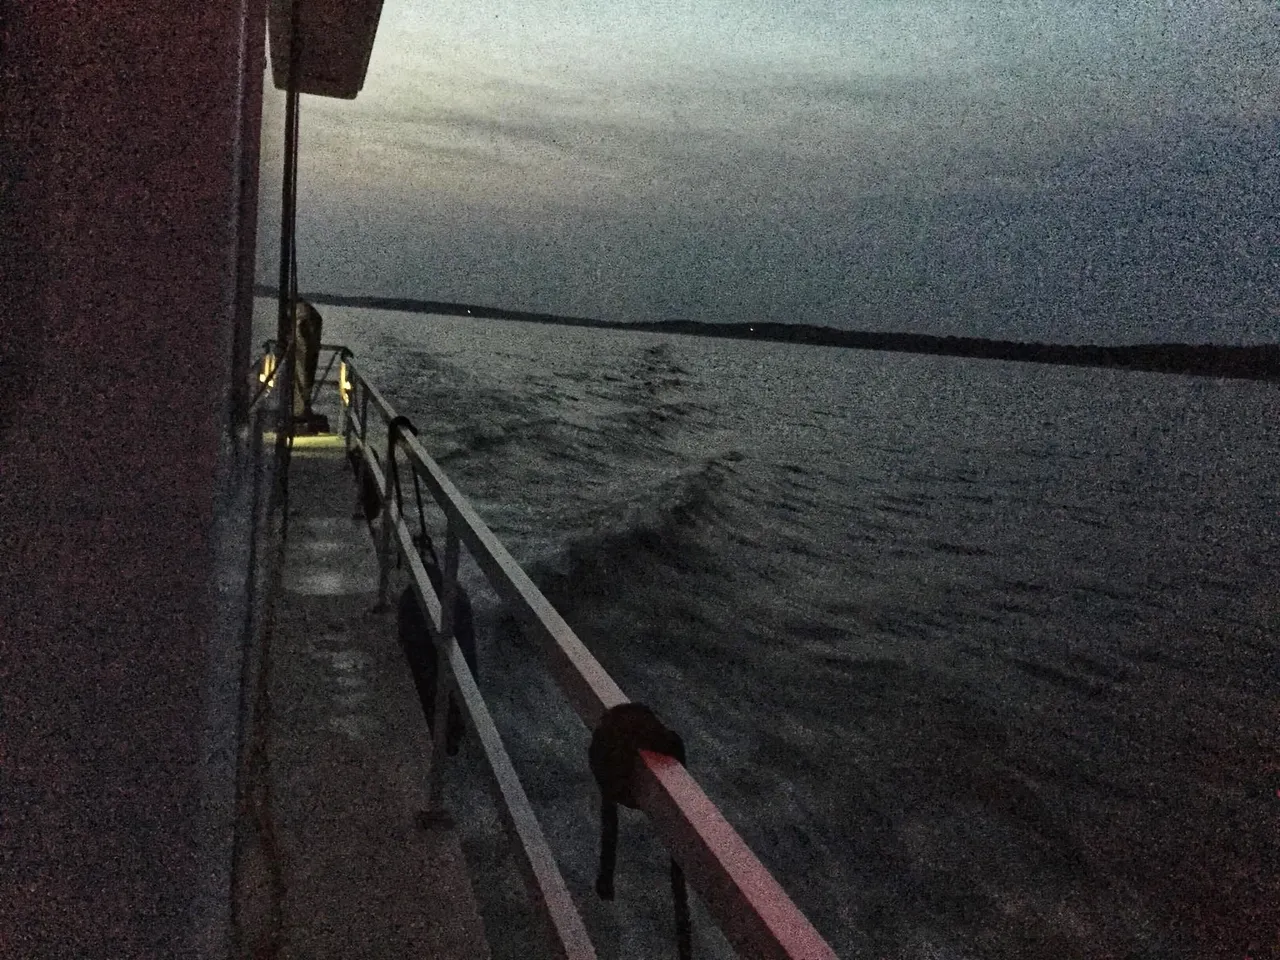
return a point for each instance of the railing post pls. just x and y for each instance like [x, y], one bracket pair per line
[364, 434]
[384, 547]
[449, 580]
[444, 672]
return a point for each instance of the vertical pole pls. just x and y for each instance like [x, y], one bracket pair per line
[444, 671]
[449, 582]
[384, 540]
[284, 332]
[286, 320]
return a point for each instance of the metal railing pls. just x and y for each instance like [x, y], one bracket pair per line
[748, 904]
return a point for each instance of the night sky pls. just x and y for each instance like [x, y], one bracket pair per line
[1067, 170]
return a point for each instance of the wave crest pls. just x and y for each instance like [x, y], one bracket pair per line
[656, 526]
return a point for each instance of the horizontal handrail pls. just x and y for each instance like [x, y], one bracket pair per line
[588, 686]
[538, 860]
[749, 905]
[536, 857]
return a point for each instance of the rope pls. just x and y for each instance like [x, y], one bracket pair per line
[423, 539]
[422, 520]
[615, 748]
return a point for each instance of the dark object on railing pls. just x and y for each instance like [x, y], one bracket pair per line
[615, 748]
[415, 640]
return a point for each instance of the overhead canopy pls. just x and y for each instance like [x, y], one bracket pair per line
[337, 39]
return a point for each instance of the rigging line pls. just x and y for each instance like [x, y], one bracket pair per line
[422, 519]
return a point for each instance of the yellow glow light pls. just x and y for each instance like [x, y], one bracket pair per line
[344, 385]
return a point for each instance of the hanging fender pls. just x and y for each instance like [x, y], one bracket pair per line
[621, 734]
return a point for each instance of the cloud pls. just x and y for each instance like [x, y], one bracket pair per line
[912, 91]
[953, 167]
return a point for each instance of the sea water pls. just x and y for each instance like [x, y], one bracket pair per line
[978, 657]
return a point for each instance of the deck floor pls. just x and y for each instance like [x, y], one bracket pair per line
[356, 872]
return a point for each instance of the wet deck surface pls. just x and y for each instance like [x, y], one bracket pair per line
[358, 874]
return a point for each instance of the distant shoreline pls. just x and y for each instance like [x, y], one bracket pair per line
[1260, 362]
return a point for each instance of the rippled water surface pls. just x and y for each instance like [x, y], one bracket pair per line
[978, 657]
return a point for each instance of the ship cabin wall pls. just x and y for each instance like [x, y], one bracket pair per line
[128, 172]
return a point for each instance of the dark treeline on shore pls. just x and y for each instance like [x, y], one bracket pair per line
[1255, 362]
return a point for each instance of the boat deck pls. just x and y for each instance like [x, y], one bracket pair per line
[345, 864]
